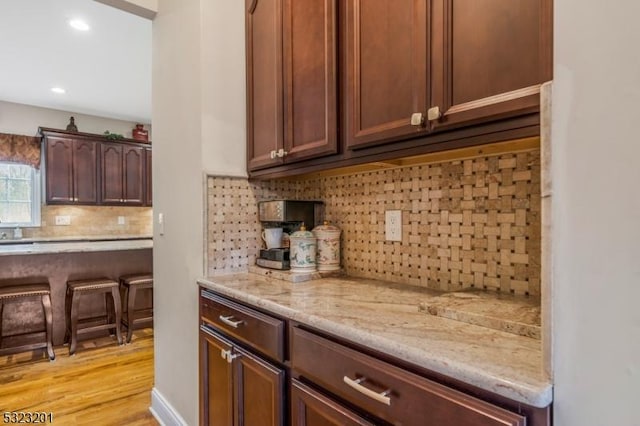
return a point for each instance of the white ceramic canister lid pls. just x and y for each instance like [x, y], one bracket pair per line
[303, 249]
[328, 236]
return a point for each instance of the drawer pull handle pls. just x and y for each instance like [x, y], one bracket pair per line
[227, 320]
[356, 384]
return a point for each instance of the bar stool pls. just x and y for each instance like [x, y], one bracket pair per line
[78, 288]
[129, 285]
[18, 293]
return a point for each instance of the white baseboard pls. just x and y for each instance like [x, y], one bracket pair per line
[164, 413]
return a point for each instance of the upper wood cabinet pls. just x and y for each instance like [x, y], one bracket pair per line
[489, 58]
[264, 82]
[71, 171]
[82, 168]
[322, 81]
[385, 74]
[291, 81]
[122, 174]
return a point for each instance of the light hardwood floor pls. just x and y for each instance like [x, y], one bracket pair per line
[102, 384]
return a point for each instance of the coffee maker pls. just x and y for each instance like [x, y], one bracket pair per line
[288, 215]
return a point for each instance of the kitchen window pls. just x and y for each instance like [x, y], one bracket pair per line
[19, 195]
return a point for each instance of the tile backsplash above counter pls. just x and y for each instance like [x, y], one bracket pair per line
[467, 223]
[92, 221]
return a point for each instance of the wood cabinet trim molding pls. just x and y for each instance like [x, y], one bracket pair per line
[48, 131]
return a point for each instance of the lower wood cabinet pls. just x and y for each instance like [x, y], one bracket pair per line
[237, 387]
[386, 391]
[258, 369]
[216, 380]
[310, 408]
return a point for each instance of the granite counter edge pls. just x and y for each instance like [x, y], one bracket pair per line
[74, 247]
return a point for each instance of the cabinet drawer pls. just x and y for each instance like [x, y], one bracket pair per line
[255, 329]
[386, 391]
[309, 407]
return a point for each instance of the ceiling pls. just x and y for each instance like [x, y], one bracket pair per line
[105, 71]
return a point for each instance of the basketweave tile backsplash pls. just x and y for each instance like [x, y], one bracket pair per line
[472, 223]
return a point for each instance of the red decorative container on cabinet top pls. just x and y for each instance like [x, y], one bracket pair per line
[139, 133]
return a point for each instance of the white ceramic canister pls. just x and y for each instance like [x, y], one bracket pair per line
[328, 247]
[302, 251]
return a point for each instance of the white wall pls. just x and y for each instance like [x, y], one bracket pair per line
[23, 119]
[223, 88]
[199, 125]
[596, 213]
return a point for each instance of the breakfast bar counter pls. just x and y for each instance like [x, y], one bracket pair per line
[386, 317]
[72, 246]
[60, 261]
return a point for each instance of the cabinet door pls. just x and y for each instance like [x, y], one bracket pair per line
[111, 162]
[85, 172]
[216, 380]
[310, 408]
[59, 170]
[149, 178]
[133, 175]
[264, 82]
[489, 58]
[310, 120]
[386, 69]
[259, 391]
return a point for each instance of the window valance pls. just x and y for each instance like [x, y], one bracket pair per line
[20, 149]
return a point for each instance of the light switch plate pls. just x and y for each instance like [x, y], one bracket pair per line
[121, 220]
[63, 220]
[161, 223]
[393, 225]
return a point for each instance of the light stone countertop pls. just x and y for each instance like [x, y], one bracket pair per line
[111, 237]
[73, 247]
[386, 317]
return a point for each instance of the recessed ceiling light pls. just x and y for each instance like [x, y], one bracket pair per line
[79, 25]
[59, 90]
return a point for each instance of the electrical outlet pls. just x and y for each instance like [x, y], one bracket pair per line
[393, 225]
[63, 220]
[120, 220]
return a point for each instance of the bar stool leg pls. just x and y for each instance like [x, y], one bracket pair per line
[67, 316]
[75, 299]
[110, 309]
[131, 303]
[48, 319]
[115, 292]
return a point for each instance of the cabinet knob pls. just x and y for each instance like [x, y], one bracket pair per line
[273, 154]
[228, 355]
[281, 153]
[434, 113]
[417, 119]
